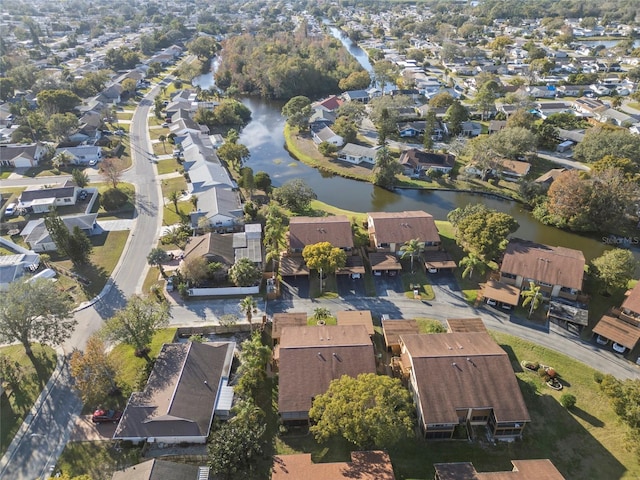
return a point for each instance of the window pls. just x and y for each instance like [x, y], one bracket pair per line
[508, 275]
[67, 200]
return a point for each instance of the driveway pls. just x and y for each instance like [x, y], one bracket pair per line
[295, 287]
[350, 287]
[85, 430]
[387, 286]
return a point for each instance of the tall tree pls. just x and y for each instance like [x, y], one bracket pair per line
[174, 196]
[80, 246]
[249, 307]
[384, 72]
[370, 411]
[411, 248]
[163, 139]
[485, 233]
[111, 168]
[274, 237]
[35, 311]
[61, 125]
[455, 115]
[59, 232]
[195, 270]
[324, 258]
[295, 195]
[245, 273]
[157, 257]
[615, 268]
[431, 122]
[80, 178]
[235, 447]
[136, 323]
[57, 101]
[93, 372]
[235, 154]
[297, 111]
[386, 169]
[471, 263]
[532, 297]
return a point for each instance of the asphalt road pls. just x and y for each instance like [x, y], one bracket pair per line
[49, 431]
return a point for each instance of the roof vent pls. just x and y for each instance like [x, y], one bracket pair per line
[454, 364]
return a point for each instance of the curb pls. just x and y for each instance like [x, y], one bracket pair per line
[24, 428]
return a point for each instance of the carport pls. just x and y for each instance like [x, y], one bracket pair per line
[439, 259]
[293, 267]
[501, 292]
[354, 265]
[618, 331]
[381, 261]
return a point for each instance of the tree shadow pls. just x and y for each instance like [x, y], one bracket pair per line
[587, 417]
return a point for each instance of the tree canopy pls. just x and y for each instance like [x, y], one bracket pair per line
[35, 311]
[297, 111]
[370, 411]
[482, 231]
[245, 273]
[295, 195]
[324, 256]
[386, 169]
[93, 372]
[599, 142]
[615, 268]
[136, 323]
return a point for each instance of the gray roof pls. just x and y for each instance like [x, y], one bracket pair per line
[180, 396]
[35, 231]
[358, 150]
[220, 201]
[11, 151]
[246, 247]
[60, 192]
[207, 174]
[155, 469]
[12, 267]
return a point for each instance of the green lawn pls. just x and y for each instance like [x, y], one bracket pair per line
[171, 184]
[131, 369]
[169, 165]
[99, 460]
[15, 404]
[169, 215]
[586, 443]
[417, 280]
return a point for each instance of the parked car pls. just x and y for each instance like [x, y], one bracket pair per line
[600, 340]
[170, 285]
[619, 348]
[165, 125]
[93, 162]
[432, 270]
[492, 302]
[106, 416]
[10, 210]
[506, 306]
[83, 195]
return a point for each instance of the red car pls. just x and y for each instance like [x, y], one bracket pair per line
[106, 416]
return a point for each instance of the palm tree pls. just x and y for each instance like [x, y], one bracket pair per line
[410, 249]
[174, 196]
[532, 296]
[249, 307]
[321, 314]
[472, 262]
[163, 139]
[274, 237]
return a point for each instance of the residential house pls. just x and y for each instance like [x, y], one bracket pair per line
[110, 95]
[285, 319]
[367, 465]
[622, 325]
[36, 235]
[462, 378]
[213, 247]
[559, 271]
[549, 177]
[156, 469]
[418, 162]
[613, 116]
[18, 155]
[466, 325]
[471, 129]
[361, 96]
[545, 109]
[221, 207]
[82, 154]
[513, 170]
[496, 125]
[311, 357]
[572, 90]
[388, 231]
[335, 229]
[330, 104]
[182, 395]
[590, 107]
[357, 154]
[325, 134]
[548, 91]
[41, 200]
[411, 129]
[13, 267]
[394, 329]
[541, 469]
[356, 317]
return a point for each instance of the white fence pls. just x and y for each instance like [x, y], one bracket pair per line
[212, 292]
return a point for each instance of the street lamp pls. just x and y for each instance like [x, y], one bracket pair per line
[43, 474]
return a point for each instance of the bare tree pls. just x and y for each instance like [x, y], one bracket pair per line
[111, 169]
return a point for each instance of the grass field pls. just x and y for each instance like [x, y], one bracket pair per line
[16, 403]
[99, 460]
[168, 166]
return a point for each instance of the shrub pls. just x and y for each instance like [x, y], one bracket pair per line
[567, 400]
[598, 377]
[113, 199]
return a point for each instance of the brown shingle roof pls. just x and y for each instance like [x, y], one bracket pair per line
[335, 229]
[290, 319]
[522, 470]
[393, 329]
[501, 292]
[471, 371]
[400, 227]
[356, 317]
[417, 158]
[466, 325]
[384, 261]
[439, 259]
[618, 331]
[293, 266]
[310, 357]
[544, 263]
[373, 465]
[157, 470]
[214, 246]
[180, 395]
[632, 302]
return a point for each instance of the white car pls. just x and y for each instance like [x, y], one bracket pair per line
[432, 270]
[600, 340]
[619, 348]
[492, 302]
[10, 210]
